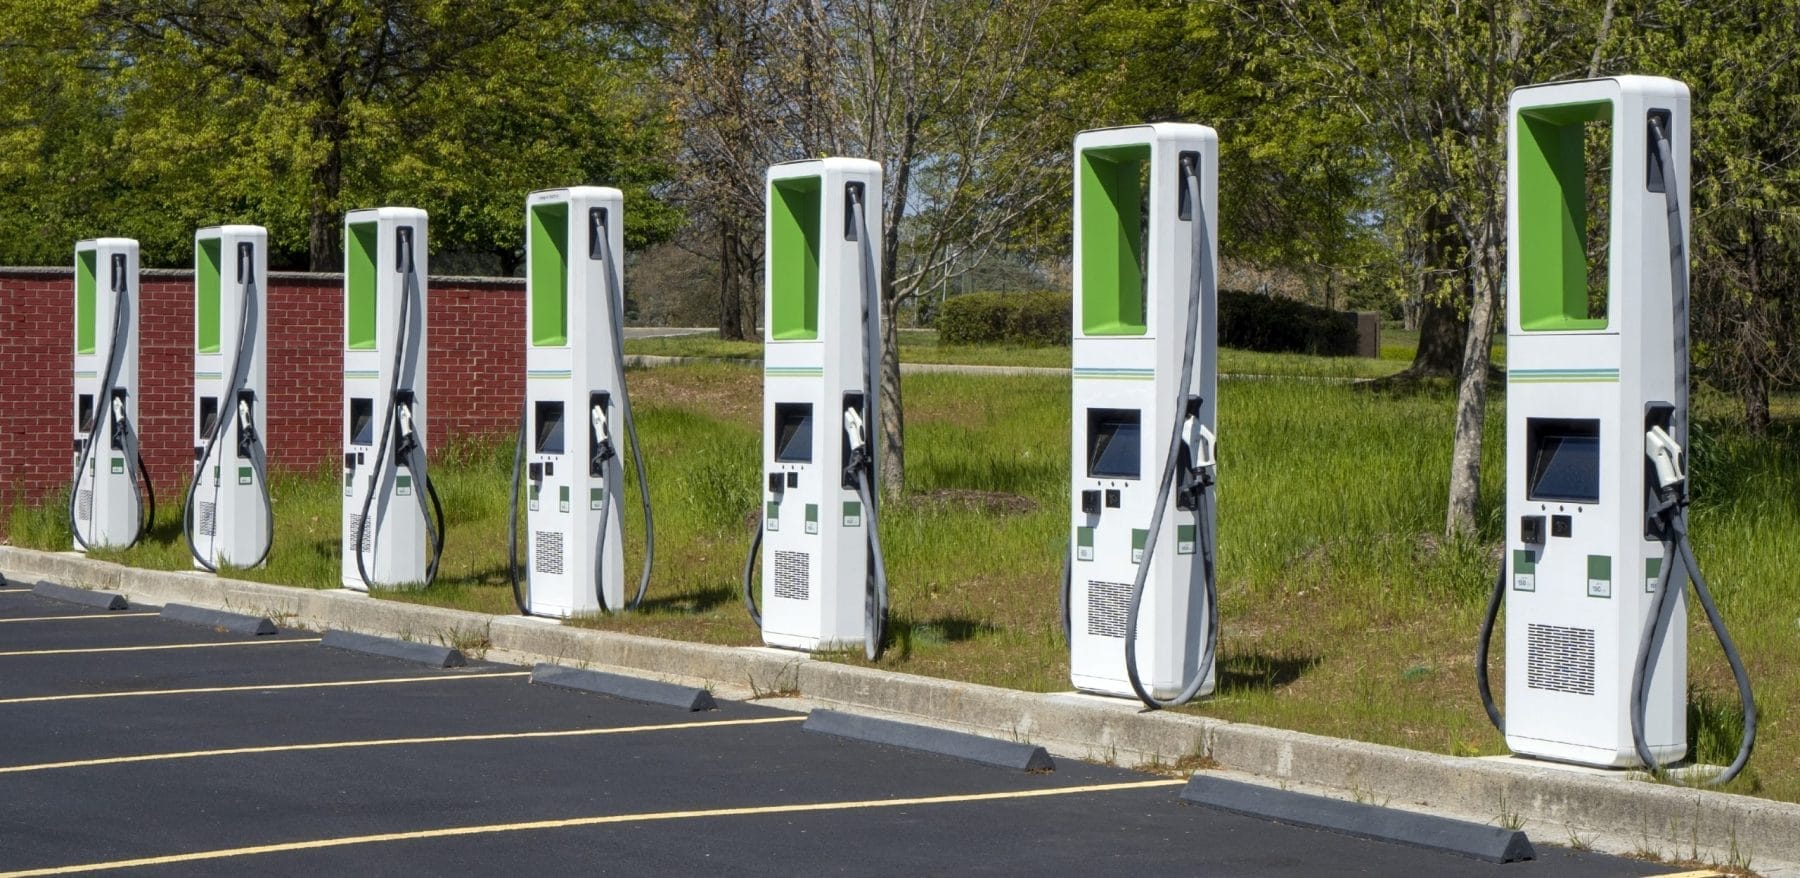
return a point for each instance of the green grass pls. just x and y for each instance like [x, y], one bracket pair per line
[1343, 612]
[922, 346]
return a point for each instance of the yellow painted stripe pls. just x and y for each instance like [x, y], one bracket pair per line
[1697, 873]
[88, 616]
[391, 742]
[533, 825]
[263, 687]
[90, 650]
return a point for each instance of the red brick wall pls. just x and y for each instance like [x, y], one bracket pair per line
[477, 361]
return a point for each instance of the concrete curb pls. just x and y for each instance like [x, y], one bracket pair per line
[1607, 812]
[236, 623]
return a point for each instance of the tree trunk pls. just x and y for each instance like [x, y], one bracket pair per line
[1442, 340]
[893, 426]
[893, 444]
[731, 293]
[1442, 330]
[324, 244]
[1754, 393]
[1471, 390]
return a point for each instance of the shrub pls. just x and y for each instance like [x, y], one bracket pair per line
[1248, 321]
[1035, 319]
[1255, 322]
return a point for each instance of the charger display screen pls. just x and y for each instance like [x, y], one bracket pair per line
[1563, 460]
[549, 427]
[362, 421]
[1114, 449]
[793, 432]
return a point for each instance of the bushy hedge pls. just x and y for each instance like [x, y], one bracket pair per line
[1038, 319]
[1249, 321]
[1255, 322]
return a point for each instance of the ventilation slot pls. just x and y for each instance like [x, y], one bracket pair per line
[1561, 659]
[207, 514]
[84, 506]
[1108, 603]
[547, 552]
[368, 540]
[792, 575]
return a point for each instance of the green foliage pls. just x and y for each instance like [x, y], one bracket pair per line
[152, 118]
[1255, 322]
[1037, 319]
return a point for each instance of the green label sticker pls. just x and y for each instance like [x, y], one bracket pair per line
[1524, 572]
[1084, 544]
[349, 483]
[852, 513]
[245, 475]
[772, 515]
[403, 486]
[1184, 539]
[594, 496]
[562, 498]
[533, 497]
[812, 518]
[1652, 572]
[1599, 578]
[118, 466]
[1137, 545]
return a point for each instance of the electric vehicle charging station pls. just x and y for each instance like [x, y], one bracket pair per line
[575, 387]
[228, 516]
[111, 500]
[824, 584]
[1142, 622]
[393, 522]
[1597, 416]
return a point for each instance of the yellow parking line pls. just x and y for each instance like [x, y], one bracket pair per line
[87, 650]
[392, 742]
[255, 687]
[89, 616]
[1697, 873]
[492, 828]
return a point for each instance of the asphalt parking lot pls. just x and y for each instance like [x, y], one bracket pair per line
[135, 745]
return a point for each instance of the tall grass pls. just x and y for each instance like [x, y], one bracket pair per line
[922, 346]
[1344, 611]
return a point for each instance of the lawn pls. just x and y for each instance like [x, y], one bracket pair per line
[1343, 611]
[922, 346]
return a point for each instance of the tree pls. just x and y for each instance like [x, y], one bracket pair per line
[1742, 72]
[734, 92]
[1432, 79]
[292, 111]
[56, 130]
[943, 94]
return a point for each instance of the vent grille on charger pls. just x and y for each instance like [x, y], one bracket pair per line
[354, 522]
[547, 552]
[793, 579]
[207, 515]
[1107, 605]
[1560, 659]
[84, 506]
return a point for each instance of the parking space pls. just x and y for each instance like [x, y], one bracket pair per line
[221, 754]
